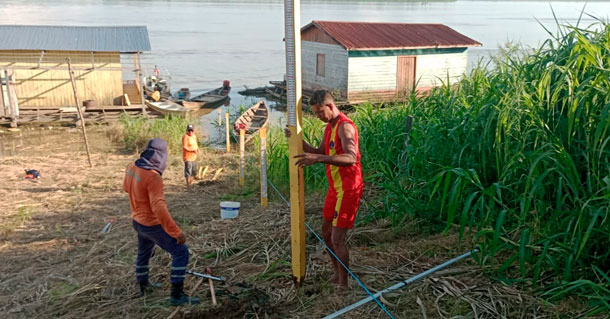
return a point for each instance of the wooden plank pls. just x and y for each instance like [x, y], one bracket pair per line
[3, 112]
[80, 114]
[138, 67]
[12, 97]
[372, 74]
[50, 86]
[431, 69]
[314, 34]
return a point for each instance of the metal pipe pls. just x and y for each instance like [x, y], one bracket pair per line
[401, 284]
[198, 274]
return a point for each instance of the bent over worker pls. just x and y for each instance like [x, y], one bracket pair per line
[339, 151]
[152, 221]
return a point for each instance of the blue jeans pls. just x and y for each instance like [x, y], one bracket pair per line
[148, 237]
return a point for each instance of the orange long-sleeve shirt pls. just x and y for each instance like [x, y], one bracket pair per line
[146, 199]
[189, 148]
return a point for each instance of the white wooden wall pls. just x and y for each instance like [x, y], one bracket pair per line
[431, 69]
[372, 74]
[335, 70]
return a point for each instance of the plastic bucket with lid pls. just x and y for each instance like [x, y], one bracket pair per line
[229, 210]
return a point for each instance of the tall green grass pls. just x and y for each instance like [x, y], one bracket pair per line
[136, 131]
[277, 156]
[517, 154]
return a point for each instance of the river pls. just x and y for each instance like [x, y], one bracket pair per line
[202, 43]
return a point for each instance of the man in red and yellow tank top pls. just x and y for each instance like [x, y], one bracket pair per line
[339, 151]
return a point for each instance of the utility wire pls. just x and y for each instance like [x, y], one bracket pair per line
[336, 257]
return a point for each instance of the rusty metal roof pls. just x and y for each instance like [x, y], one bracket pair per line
[380, 36]
[74, 38]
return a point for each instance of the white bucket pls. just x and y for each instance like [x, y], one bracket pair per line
[229, 210]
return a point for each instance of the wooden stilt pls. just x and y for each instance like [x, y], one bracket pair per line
[12, 98]
[80, 112]
[242, 157]
[138, 74]
[263, 163]
[228, 132]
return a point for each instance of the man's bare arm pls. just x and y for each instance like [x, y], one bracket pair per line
[347, 134]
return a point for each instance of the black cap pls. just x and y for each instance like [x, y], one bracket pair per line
[190, 127]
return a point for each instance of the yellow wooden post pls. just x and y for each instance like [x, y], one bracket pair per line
[228, 132]
[242, 156]
[292, 24]
[263, 138]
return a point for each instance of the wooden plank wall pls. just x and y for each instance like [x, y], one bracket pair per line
[432, 69]
[131, 89]
[335, 75]
[314, 34]
[43, 87]
[372, 74]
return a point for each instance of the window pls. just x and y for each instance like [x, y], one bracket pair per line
[320, 66]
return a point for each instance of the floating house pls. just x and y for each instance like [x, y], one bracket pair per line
[34, 70]
[367, 61]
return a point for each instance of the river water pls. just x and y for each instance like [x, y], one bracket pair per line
[202, 43]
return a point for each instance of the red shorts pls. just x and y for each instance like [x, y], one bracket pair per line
[341, 208]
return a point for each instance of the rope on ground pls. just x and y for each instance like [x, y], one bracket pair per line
[336, 257]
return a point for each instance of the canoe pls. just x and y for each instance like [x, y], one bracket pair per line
[210, 99]
[252, 119]
[166, 107]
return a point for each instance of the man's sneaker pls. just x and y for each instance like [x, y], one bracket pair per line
[178, 297]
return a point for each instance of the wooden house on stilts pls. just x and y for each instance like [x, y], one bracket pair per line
[380, 61]
[34, 71]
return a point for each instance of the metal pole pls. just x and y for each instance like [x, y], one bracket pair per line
[401, 284]
[263, 138]
[198, 274]
[292, 24]
[80, 112]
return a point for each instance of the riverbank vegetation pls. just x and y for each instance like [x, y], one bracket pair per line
[517, 155]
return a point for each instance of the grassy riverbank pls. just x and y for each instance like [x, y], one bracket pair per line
[517, 155]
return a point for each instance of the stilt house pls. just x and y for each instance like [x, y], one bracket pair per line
[366, 61]
[34, 71]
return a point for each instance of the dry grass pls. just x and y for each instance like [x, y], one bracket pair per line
[54, 262]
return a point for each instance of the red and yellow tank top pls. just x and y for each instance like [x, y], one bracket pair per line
[341, 178]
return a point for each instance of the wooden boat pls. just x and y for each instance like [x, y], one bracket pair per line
[162, 84]
[166, 107]
[251, 120]
[211, 99]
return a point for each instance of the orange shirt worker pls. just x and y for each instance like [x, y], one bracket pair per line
[190, 148]
[339, 151]
[152, 220]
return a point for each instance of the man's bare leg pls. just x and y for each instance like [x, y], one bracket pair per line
[338, 237]
[327, 228]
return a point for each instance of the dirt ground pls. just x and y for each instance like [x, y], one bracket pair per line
[54, 263]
